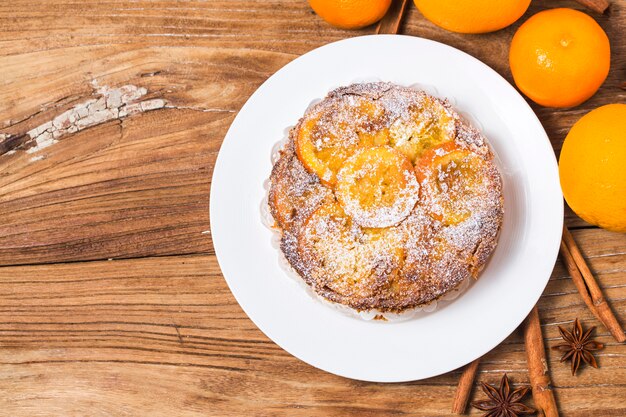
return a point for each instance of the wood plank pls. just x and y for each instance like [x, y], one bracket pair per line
[165, 336]
[127, 188]
[208, 57]
[207, 79]
[286, 26]
[118, 190]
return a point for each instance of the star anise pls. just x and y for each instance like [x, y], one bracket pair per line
[502, 402]
[578, 346]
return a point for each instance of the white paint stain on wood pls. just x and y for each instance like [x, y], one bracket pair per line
[112, 103]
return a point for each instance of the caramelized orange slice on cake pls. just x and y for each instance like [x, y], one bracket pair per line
[454, 182]
[427, 124]
[328, 136]
[377, 187]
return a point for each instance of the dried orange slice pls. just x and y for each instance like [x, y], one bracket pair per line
[377, 187]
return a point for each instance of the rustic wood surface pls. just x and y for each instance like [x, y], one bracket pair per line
[112, 302]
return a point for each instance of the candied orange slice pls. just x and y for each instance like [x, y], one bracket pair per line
[331, 135]
[377, 187]
[429, 124]
[321, 156]
[453, 181]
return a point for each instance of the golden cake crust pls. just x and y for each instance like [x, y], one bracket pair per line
[345, 237]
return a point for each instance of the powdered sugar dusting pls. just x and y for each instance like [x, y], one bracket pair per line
[434, 235]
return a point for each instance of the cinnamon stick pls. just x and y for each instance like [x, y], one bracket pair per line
[587, 285]
[599, 6]
[538, 366]
[577, 278]
[464, 389]
[390, 23]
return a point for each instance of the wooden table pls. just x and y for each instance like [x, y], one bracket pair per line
[112, 302]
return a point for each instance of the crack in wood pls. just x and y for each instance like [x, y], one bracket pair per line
[8, 143]
[180, 338]
[112, 104]
[200, 109]
[10, 123]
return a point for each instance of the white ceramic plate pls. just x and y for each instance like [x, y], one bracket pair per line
[431, 344]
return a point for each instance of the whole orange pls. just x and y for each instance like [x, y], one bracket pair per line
[592, 167]
[350, 14]
[560, 57]
[472, 16]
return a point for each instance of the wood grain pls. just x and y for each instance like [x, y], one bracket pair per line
[164, 336]
[154, 330]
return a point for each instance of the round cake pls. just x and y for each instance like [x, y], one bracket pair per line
[385, 198]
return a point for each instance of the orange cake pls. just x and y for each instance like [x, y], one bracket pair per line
[385, 198]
